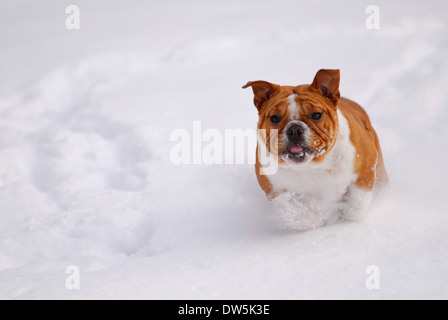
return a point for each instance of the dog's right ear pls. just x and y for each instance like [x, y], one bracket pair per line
[263, 90]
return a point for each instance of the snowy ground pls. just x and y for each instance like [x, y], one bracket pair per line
[85, 171]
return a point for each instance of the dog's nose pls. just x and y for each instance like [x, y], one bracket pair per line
[295, 132]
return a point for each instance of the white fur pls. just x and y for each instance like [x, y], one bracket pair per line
[293, 107]
[310, 195]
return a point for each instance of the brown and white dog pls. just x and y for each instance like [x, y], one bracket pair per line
[329, 157]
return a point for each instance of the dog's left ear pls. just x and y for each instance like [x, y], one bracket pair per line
[326, 82]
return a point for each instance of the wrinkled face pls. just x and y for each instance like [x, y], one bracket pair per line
[302, 120]
[307, 125]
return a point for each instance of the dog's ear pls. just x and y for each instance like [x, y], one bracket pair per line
[326, 82]
[263, 90]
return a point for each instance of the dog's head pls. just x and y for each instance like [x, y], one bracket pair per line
[304, 116]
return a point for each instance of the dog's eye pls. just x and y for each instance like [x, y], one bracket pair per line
[275, 119]
[315, 116]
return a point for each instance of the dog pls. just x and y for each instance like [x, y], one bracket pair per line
[329, 157]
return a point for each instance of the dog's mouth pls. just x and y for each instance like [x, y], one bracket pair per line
[297, 153]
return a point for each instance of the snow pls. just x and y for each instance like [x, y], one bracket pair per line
[85, 171]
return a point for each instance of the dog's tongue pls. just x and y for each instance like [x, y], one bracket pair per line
[296, 149]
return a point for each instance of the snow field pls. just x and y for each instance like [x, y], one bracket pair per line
[85, 173]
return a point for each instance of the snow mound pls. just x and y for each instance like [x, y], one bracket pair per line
[295, 212]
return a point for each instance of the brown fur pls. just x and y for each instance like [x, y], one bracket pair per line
[369, 164]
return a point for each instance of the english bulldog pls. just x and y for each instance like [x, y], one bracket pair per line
[328, 154]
